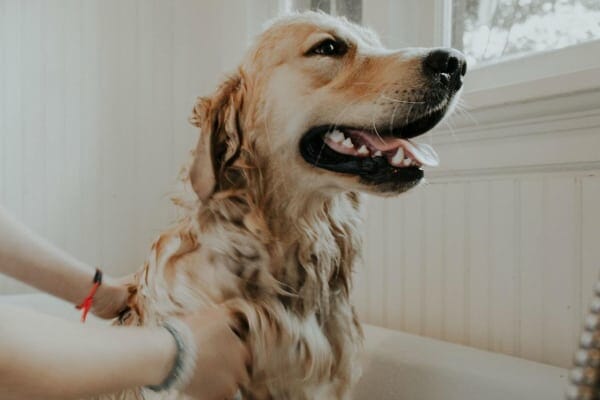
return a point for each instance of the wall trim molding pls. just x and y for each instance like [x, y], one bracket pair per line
[575, 111]
[544, 125]
[568, 168]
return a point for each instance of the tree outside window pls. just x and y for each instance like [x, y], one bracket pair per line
[488, 30]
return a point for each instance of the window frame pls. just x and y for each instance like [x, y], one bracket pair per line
[549, 73]
[428, 23]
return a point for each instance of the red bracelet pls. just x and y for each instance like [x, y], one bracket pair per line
[86, 304]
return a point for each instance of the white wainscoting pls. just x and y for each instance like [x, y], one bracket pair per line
[94, 101]
[501, 248]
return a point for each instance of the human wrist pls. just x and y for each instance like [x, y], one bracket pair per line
[71, 281]
[164, 346]
[111, 298]
[184, 364]
[108, 290]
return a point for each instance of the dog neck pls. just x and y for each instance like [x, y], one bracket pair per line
[317, 236]
[312, 237]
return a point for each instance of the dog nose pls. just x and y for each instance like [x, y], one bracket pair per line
[448, 65]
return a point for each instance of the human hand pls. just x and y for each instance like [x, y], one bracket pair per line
[111, 298]
[221, 359]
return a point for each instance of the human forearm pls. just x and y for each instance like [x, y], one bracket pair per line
[33, 260]
[44, 357]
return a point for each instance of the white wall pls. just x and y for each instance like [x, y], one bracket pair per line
[500, 250]
[94, 100]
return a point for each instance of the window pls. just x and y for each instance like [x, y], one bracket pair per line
[489, 30]
[352, 9]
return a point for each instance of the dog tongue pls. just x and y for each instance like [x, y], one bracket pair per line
[422, 152]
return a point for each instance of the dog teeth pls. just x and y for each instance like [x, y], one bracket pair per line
[398, 157]
[407, 162]
[363, 150]
[336, 136]
[348, 143]
[378, 153]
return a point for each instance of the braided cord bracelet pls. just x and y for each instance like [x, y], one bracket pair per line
[87, 303]
[185, 359]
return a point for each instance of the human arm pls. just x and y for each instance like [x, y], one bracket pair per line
[45, 357]
[31, 259]
[42, 357]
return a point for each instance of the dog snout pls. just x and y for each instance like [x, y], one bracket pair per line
[449, 66]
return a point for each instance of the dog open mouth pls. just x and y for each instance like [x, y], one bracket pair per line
[377, 156]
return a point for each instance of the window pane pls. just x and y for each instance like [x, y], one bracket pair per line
[488, 30]
[351, 9]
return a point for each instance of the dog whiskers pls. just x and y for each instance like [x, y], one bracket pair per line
[343, 111]
[408, 114]
[393, 115]
[451, 129]
[401, 101]
[461, 107]
[373, 122]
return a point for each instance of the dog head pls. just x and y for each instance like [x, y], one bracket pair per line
[322, 104]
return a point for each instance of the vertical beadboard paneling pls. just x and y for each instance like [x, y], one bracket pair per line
[32, 31]
[117, 45]
[369, 269]
[505, 263]
[502, 268]
[376, 255]
[146, 154]
[531, 253]
[112, 176]
[57, 190]
[478, 256]
[360, 289]
[94, 101]
[434, 262]
[590, 237]
[189, 61]
[92, 113]
[13, 92]
[395, 251]
[3, 118]
[412, 260]
[560, 272]
[15, 168]
[72, 118]
[455, 289]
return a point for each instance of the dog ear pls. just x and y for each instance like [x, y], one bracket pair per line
[220, 137]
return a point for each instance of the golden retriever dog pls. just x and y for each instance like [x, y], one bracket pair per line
[317, 112]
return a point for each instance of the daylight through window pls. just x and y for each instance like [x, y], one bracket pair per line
[489, 30]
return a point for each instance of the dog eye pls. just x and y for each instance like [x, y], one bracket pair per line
[328, 47]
